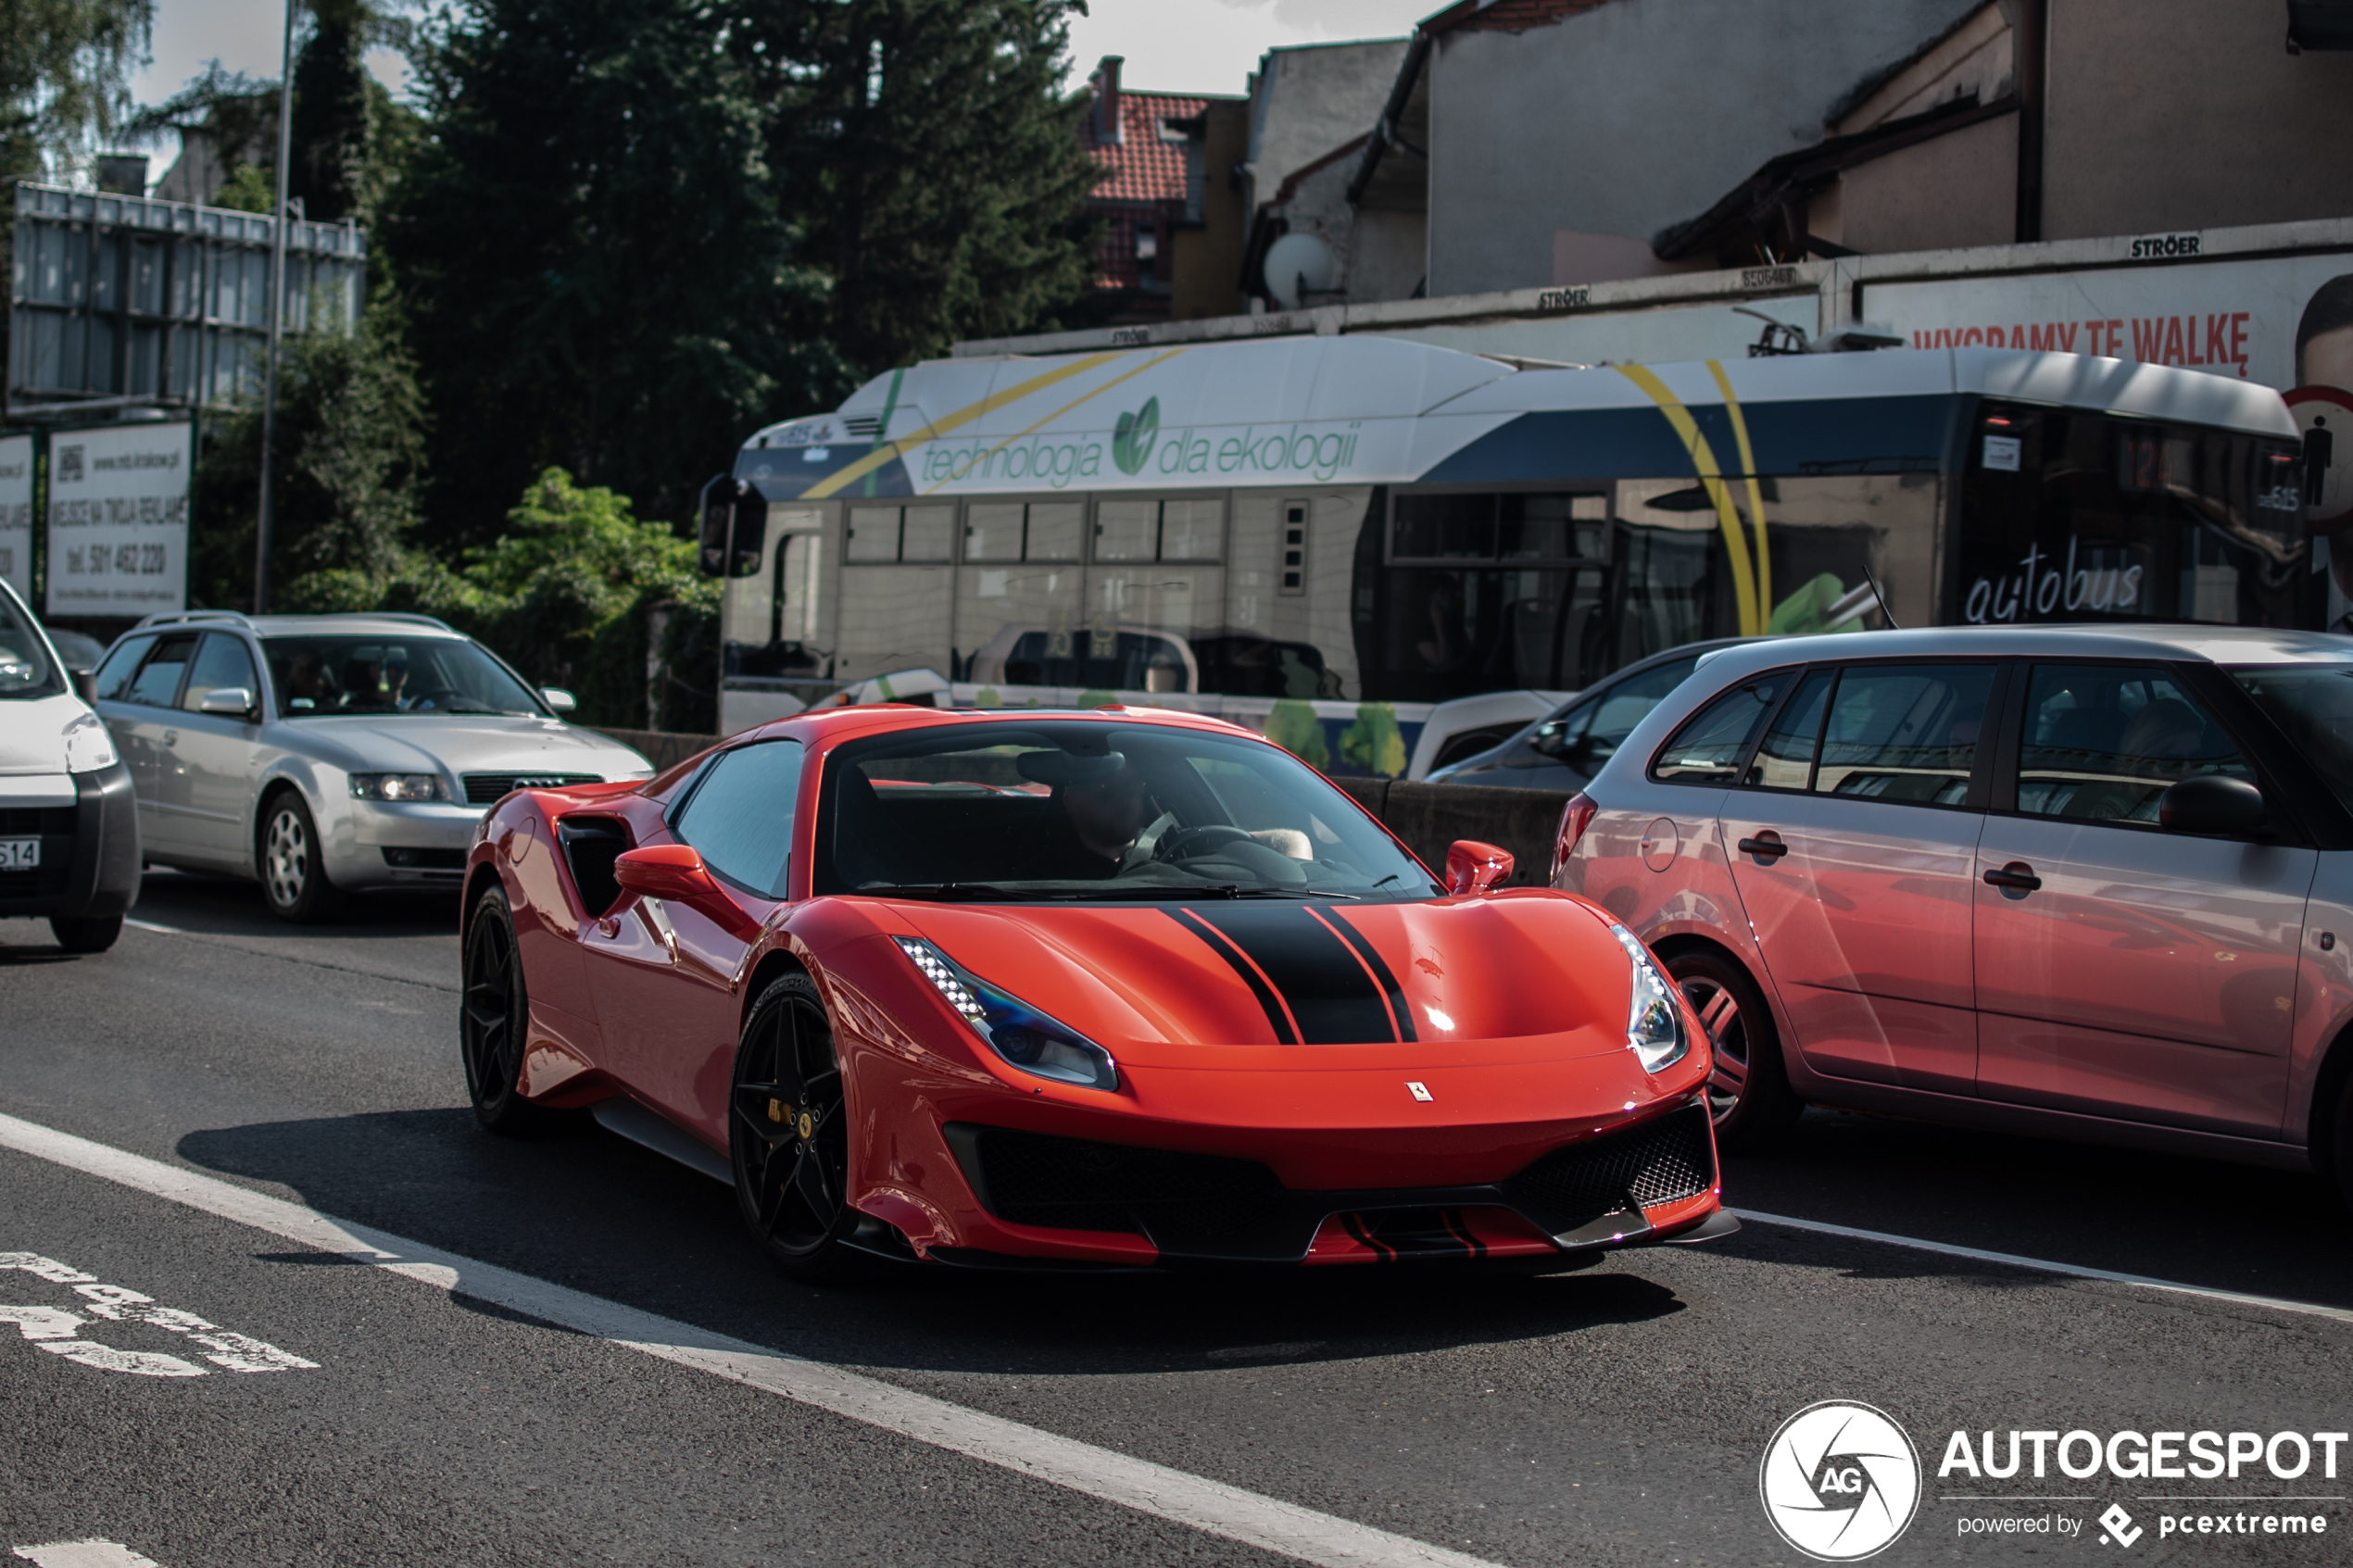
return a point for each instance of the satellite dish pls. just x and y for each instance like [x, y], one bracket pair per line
[1298, 265]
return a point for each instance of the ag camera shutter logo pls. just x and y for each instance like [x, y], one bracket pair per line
[1840, 1481]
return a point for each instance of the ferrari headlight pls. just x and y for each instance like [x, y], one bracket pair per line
[1015, 1030]
[398, 786]
[1654, 1023]
[88, 745]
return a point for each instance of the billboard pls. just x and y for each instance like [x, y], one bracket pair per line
[15, 513]
[118, 519]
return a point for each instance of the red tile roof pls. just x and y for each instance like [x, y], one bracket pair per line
[1144, 167]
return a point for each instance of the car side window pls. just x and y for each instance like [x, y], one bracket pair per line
[113, 679]
[1785, 757]
[1629, 702]
[1904, 732]
[739, 817]
[1713, 743]
[2102, 742]
[157, 682]
[222, 662]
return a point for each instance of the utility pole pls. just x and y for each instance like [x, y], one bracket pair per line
[277, 313]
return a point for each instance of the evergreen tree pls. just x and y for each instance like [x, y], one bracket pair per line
[926, 153]
[331, 113]
[601, 276]
[65, 67]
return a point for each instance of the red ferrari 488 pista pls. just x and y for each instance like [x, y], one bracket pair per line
[1102, 988]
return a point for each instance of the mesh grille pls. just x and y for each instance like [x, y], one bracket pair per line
[1659, 1163]
[485, 789]
[1070, 1183]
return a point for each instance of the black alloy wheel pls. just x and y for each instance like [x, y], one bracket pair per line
[1748, 1094]
[788, 1136]
[493, 1018]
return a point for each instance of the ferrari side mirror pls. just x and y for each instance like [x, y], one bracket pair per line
[664, 871]
[1472, 867]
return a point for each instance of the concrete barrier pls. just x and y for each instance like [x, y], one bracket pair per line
[1427, 817]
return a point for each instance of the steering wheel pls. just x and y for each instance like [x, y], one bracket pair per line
[440, 696]
[1197, 841]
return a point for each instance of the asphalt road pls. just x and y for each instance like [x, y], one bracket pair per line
[1614, 1415]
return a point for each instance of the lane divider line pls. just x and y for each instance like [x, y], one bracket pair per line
[1195, 1501]
[83, 1554]
[2047, 1266]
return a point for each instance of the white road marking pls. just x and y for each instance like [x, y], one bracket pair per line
[56, 1331]
[150, 925]
[1209, 1506]
[211, 940]
[84, 1554]
[2044, 1265]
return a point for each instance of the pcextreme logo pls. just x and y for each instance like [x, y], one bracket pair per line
[1840, 1481]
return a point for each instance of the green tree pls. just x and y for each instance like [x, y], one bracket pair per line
[65, 70]
[347, 469]
[601, 276]
[930, 160]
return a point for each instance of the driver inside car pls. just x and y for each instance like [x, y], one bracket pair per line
[1108, 815]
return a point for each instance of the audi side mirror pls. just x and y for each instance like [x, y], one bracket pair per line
[664, 871]
[560, 699]
[1472, 867]
[2211, 803]
[232, 701]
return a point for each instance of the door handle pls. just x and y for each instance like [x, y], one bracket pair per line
[2017, 874]
[1766, 846]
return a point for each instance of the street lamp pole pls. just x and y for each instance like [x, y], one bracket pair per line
[277, 313]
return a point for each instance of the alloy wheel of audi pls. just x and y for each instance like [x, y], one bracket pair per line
[286, 850]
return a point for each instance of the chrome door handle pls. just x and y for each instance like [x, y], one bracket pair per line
[2017, 874]
[1766, 846]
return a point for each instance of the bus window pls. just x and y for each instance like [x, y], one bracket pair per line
[2076, 516]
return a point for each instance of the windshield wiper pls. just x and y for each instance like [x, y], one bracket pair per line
[1290, 893]
[953, 891]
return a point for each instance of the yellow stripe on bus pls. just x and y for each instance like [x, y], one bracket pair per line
[833, 483]
[1711, 478]
[1058, 413]
[1755, 493]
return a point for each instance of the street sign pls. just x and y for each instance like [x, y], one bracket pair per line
[118, 519]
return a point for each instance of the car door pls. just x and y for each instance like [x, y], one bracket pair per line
[142, 715]
[208, 791]
[1853, 843]
[2123, 970]
[663, 970]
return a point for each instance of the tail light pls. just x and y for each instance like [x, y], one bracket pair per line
[1576, 817]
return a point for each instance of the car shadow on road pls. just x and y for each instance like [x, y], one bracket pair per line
[583, 1208]
[225, 906]
[2205, 1222]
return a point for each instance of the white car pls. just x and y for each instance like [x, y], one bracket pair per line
[330, 754]
[68, 833]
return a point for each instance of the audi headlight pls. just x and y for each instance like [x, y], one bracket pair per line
[1654, 1023]
[88, 745]
[1013, 1029]
[398, 786]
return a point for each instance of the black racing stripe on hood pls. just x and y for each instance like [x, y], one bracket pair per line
[1366, 950]
[1326, 989]
[1241, 966]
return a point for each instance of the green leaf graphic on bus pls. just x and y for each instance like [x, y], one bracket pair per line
[1134, 441]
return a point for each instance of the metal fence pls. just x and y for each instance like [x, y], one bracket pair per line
[118, 300]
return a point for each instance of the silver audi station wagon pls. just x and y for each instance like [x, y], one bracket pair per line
[2083, 882]
[330, 754]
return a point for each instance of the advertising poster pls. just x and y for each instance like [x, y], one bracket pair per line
[15, 513]
[119, 520]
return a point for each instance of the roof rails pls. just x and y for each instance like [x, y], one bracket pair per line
[180, 617]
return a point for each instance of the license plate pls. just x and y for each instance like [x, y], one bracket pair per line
[19, 854]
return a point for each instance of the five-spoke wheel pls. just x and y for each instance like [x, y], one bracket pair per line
[1748, 1095]
[493, 1016]
[788, 1134]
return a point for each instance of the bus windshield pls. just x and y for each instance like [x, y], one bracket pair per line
[1077, 811]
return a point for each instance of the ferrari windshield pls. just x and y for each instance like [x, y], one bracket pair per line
[1079, 809]
[319, 676]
